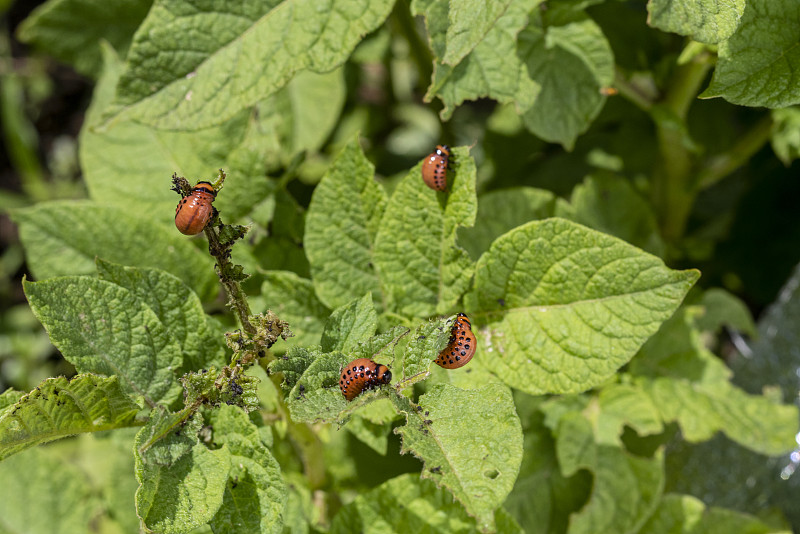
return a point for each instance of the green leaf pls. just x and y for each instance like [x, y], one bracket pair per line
[424, 345]
[8, 399]
[59, 407]
[685, 513]
[256, 495]
[567, 306]
[179, 310]
[70, 30]
[293, 364]
[724, 309]
[706, 21]
[492, 68]
[316, 397]
[182, 482]
[43, 494]
[341, 226]
[372, 425]
[64, 238]
[609, 204]
[350, 325]
[103, 328]
[422, 270]
[571, 61]
[690, 386]
[410, 504]
[128, 152]
[263, 46]
[786, 134]
[626, 487]
[470, 442]
[293, 299]
[758, 65]
[503, 210]
[470, 21]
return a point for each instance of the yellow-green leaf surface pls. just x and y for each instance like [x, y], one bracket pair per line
[103, 328]
[424, 346]
[758, 65]
[706, 21]
[178, 309]
[255, 494]
[341, 226]
[567, 306]
[421, 269]
[491, 68]
[64, 238]
[59, 407]
[571, 60]
[182, 482]
[233, 64]
[43, 494]
[408, 504]
[502, 210]
[470, 442]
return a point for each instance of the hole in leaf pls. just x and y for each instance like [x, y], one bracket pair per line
[493, 474]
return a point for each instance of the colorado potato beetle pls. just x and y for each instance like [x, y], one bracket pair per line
[461, 348]
[362, 374]
[434, 168]
[195, 209]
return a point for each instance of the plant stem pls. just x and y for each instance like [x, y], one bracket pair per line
[721, 165]
[673, 193]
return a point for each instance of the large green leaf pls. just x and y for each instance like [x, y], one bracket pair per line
[422, 270]
[341, 227]
[182, 482]
[179, 310]
[758, 65]
[491, 68]
[64, 238]
[410, 504]
[103, 328]
[59, 407]
[572, 62]
[470, 442]
[567, 306]
[256, 494]
[263, 45]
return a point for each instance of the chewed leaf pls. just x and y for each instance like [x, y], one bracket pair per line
[59, 407]
[567, 306]
[84, 317]
[470, 441]
[424, 345]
